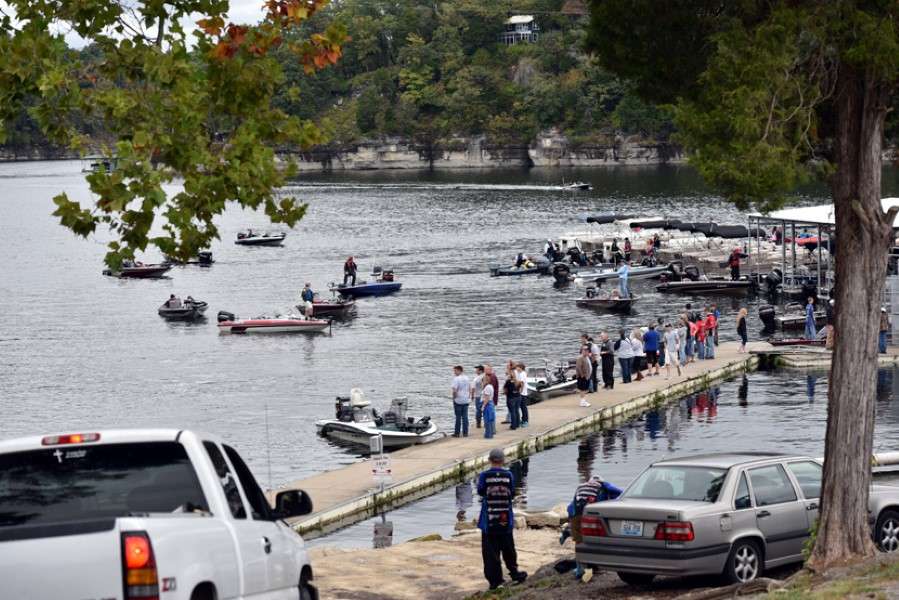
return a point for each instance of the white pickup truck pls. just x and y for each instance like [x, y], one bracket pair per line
[143, 515]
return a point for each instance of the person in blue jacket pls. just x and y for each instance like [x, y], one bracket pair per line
[593, 490]
[496, 487]
[810, 332]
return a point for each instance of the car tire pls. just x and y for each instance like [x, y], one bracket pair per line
[744, 563]
[886, 532]
[636, 579]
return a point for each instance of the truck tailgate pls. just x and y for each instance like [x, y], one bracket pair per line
[37, 563]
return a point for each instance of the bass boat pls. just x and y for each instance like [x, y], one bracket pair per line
[228, 323]
[254, 239]
[715, 285]
[610, 273]
[382, 285]
[356, 422]
[189, 310]
[609, 302]
[537, 266]
[139, 271]
[543, 383]
[329, 308]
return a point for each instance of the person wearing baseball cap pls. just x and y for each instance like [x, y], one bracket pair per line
[496, 487]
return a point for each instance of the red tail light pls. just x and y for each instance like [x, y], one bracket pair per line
[72, 438]
[139, 567]
[592, 525]
[675, 531]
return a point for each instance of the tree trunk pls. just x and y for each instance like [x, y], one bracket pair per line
[863, 238]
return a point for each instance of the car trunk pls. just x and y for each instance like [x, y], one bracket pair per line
[81, 558]
[634, 522]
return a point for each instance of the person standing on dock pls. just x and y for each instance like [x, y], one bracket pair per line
[490, 374]
[489, 408]
[496, 487]
[741, 329]
[627, 251]
[616, 252]
[810, 332]
[637, 348]
[476, 387]
[522, 377]
[884, 329]
[594, 363]
[651, 350]
[625, 356]
[607, 360]
[461, 393]
[717, 314]
[623, 272]
[583, 370]
[683, 333]
[697, 327]
[349, 271]
[734, 263]
[672, 344]
[711, 327]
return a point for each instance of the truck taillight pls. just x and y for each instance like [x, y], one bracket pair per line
[139, 567]
[592, 525]
[675, 531]
[72, 438]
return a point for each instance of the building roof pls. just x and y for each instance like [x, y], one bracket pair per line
[516, 19]
[574, 8]
[823, 214]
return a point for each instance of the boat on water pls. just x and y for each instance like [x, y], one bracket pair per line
[611, 302]
[536, 266]
[610, 273]
[204, 259]
[188, 310]
[336, 308]
[229, 323]
[793, 317]
[383, 285]
[355, 422]
[543, 383]
[251, 238]
[709, 285]
[136, 270]
[577, 185]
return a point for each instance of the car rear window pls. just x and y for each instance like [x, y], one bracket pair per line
[74, 483]
[663, 482]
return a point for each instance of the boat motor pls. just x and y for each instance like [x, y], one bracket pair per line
[561, 272]
[204, 257]
[766, 315]
[224, 315]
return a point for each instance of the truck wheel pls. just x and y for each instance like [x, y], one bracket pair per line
[204, 591]
[744, 563]
[886, 533]
[637, 579]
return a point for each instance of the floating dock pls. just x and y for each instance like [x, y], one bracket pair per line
[346, 495]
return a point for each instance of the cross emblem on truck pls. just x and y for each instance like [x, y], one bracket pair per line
[58, 454]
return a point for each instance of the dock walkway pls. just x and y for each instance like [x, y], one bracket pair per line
[348, 494]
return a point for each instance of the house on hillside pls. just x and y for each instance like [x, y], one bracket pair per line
[574, 9]
[520, 29]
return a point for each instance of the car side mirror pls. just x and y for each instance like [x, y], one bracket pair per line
[292, 503]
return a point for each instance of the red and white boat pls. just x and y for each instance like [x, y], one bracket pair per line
[228, 323]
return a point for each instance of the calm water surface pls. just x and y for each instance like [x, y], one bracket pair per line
[79, 351]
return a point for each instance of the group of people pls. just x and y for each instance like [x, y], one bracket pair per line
[643, 351]
[496, 487]
[483, 391]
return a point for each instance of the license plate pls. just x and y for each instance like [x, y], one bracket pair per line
[632, 528]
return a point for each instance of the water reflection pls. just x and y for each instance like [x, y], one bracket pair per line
[810, 382]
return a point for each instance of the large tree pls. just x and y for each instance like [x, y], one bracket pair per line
[180, 94]
[767, 94]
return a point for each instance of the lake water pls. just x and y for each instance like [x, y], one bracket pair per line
[80, 351]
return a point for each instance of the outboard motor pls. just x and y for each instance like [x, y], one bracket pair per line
[342, 409]
[774, 279]
[205, 258]
[766, 315]
[561, 272]
[224, 315]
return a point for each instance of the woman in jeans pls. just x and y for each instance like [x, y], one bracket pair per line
[625, 352]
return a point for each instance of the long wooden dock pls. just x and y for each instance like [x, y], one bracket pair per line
[348, 494]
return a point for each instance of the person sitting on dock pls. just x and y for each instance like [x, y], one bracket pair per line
[173, 301]
[349, 271]
[496, 487]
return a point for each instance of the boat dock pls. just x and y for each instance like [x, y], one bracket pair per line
[349, 494]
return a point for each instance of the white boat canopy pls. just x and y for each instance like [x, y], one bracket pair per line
[823, 214]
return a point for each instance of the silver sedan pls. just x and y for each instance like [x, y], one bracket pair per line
[732, 514]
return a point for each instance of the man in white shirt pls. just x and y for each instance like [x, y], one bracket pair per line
[522, 377]
[476, 388]
[461, 394]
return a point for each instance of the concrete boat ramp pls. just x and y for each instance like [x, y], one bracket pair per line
[349, 494]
